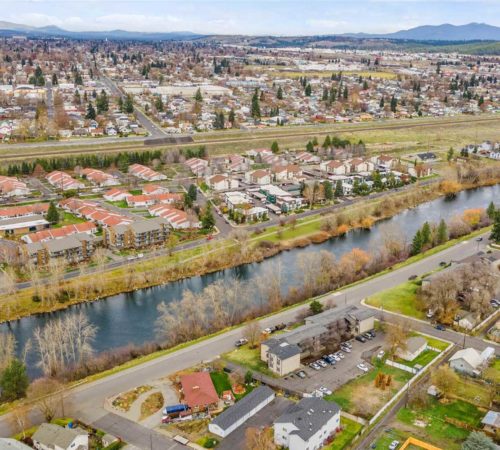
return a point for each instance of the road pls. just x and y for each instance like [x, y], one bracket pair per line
[87, 400]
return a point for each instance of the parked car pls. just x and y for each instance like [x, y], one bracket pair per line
[380, 354]
[367, 336]
[267, 331]
[314, 366]
[241, 342]
[332, 357]
[328, 359]
[495, 303]
[443, 263]
[347, 344]
[412, 277]
[440, 327]
[430, 314]
[363, 367]
[340, 355]
[301, 374]
[372, 333]
[325, 390]
[345, 349]
[479, 239]
[321, 363]
[394, 445]
[360, 338]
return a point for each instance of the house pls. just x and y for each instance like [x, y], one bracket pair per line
[12, 187]
[24, 210]
[307, 424]
[177, 219]
[283, 357]
[491, 422]
[12, 444]
[49, 436]
[259, 152]
[281, 198]
[307, 158]
[63, 181]
[99, 178]
[23, 224]
[116, 195]
[358, 165]
[74, 248]
[384, 161]
[470, 361]
[145, 173]
[287, 173]
[222, 183]
[236, 415]
[420, 170]
[137, 235]
[469, 321]
[154, 189]
[334, 167]
[93, 212]
[259, 176]
[414, 346]
[148, 200]
[58, 233]
[197, 166]
[199, 391]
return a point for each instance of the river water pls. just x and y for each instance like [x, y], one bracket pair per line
[129, 318]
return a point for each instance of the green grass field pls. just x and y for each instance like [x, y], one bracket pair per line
[220, 381]
[493, 372]
[371, 399]
[423, 359]
[249, 358]
[345, 437]
[401, 299]
[66, 218]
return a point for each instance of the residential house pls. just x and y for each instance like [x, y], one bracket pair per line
[259, 176]
[99, 178]
[154, 189]
[137, 235]
[307, 424]
[235, 416]
[197, 166]
[470, 361]
[469, 320]
[145, 173]
[384, 162]
[259, 152]
[288, 172]
[24, 210]
[177, 219]
[281, 198]
[491, 422]
[63, 181]
[148, 200]
[199, 391]
[307, 158]
[12, 444]
[282, 357]
[50, 436]
[334, 167]
[359, 165]
[12, 187]
[222, 183]
[58, 233]
[116, 195]
[414, 347]
[93, 212]
[420, 170]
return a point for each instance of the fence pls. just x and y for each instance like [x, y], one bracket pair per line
[353, 417]
[401, 366]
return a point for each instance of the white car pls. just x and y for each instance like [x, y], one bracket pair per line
[314, 366]
[336, 357]
[267, 331]
[321, 363]
[430, 314]
[345, 349]
[340, 355]
[380, 354]
[362, 367]
[394, 445]
[325, 390]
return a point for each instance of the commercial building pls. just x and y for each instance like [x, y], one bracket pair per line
[23, 225]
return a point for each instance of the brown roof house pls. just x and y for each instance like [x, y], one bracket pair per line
[199, 391]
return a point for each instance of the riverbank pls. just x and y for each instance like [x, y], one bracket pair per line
[214, 256]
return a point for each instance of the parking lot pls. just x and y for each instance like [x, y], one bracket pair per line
[334, 376]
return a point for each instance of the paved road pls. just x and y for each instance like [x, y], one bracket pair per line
[87, 400]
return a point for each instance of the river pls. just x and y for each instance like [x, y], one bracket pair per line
[129, 318]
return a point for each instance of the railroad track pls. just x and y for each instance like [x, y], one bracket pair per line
[51, 152]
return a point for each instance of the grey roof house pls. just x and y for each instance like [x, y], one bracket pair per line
[49, 436]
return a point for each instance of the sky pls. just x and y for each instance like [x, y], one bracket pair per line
[254, 17]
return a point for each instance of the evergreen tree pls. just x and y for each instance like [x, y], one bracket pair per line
[120, 103]
[491, 210]
[193, 192]
[381, 104]
[52, 214]
[188, 201]
[339, 191]
[478, 441]
[208, 219]
[255, 105]
[328, 190]
[327, 142]
[394, 104]
[14, 381]
[91, 114]
[232, 117]
[495, 231]
[128, 104]
[426, 234]
[310, 147]
[315, 307]
[54, 80]
[324, 97]
[308, 90]
[279, 94]
[365, 85]
[450, 154]
[416, 246]
[275, 147]
[442, 232]
[102, 102]
[159, 104]
[346, 93]
[198, 97]
[78, 79]
[377, 180]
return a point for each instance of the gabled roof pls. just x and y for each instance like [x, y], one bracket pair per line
[51, 435]
[470, 356]
[198, 389]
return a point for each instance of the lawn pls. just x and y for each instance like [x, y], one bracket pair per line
[471, 391]
[401, 299]
[66, 218]
[433, 342]
[361, 397]
[345, 437]
[389, 435]
[249, 358]
[493, 372]
[152, 404]
[423, 359]
[220, 381]
[432, 422]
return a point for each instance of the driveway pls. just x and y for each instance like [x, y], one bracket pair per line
[264, 418]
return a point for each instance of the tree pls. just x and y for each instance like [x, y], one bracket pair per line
[14, 381]
[232, 117]
[128, 104]
[262, 439]
[47, 395]
[54, 80]
[7, 349]
[339, 190]
[308, 90]
[198, 97]
[442, 232]
[328, 190]
[426, 234]
[478, 441]
[450, 154]
[327, 142]
[102, 102]
[159, 104]
[91, 114]
[188, 201]
[279, 94]
[381, 104]
[52, 214]
[417, 243]
[491, 210]
[396, 337]
[248, 377]
[445, 379]
[255, 111]
[252, 333]
[346, 93]
[275, 147]
[495, 231]
[394, 104]
[208, 219]
[193, 192]
[315, 307]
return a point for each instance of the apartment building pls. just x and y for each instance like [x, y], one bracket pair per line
[137, 235]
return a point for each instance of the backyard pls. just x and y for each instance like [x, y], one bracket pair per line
[423, 359]
[362, 398]
[249, 358]
[349, 430]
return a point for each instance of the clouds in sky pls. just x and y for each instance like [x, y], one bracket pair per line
[280, 17]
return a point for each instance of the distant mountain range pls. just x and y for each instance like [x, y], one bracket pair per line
[445, 32]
